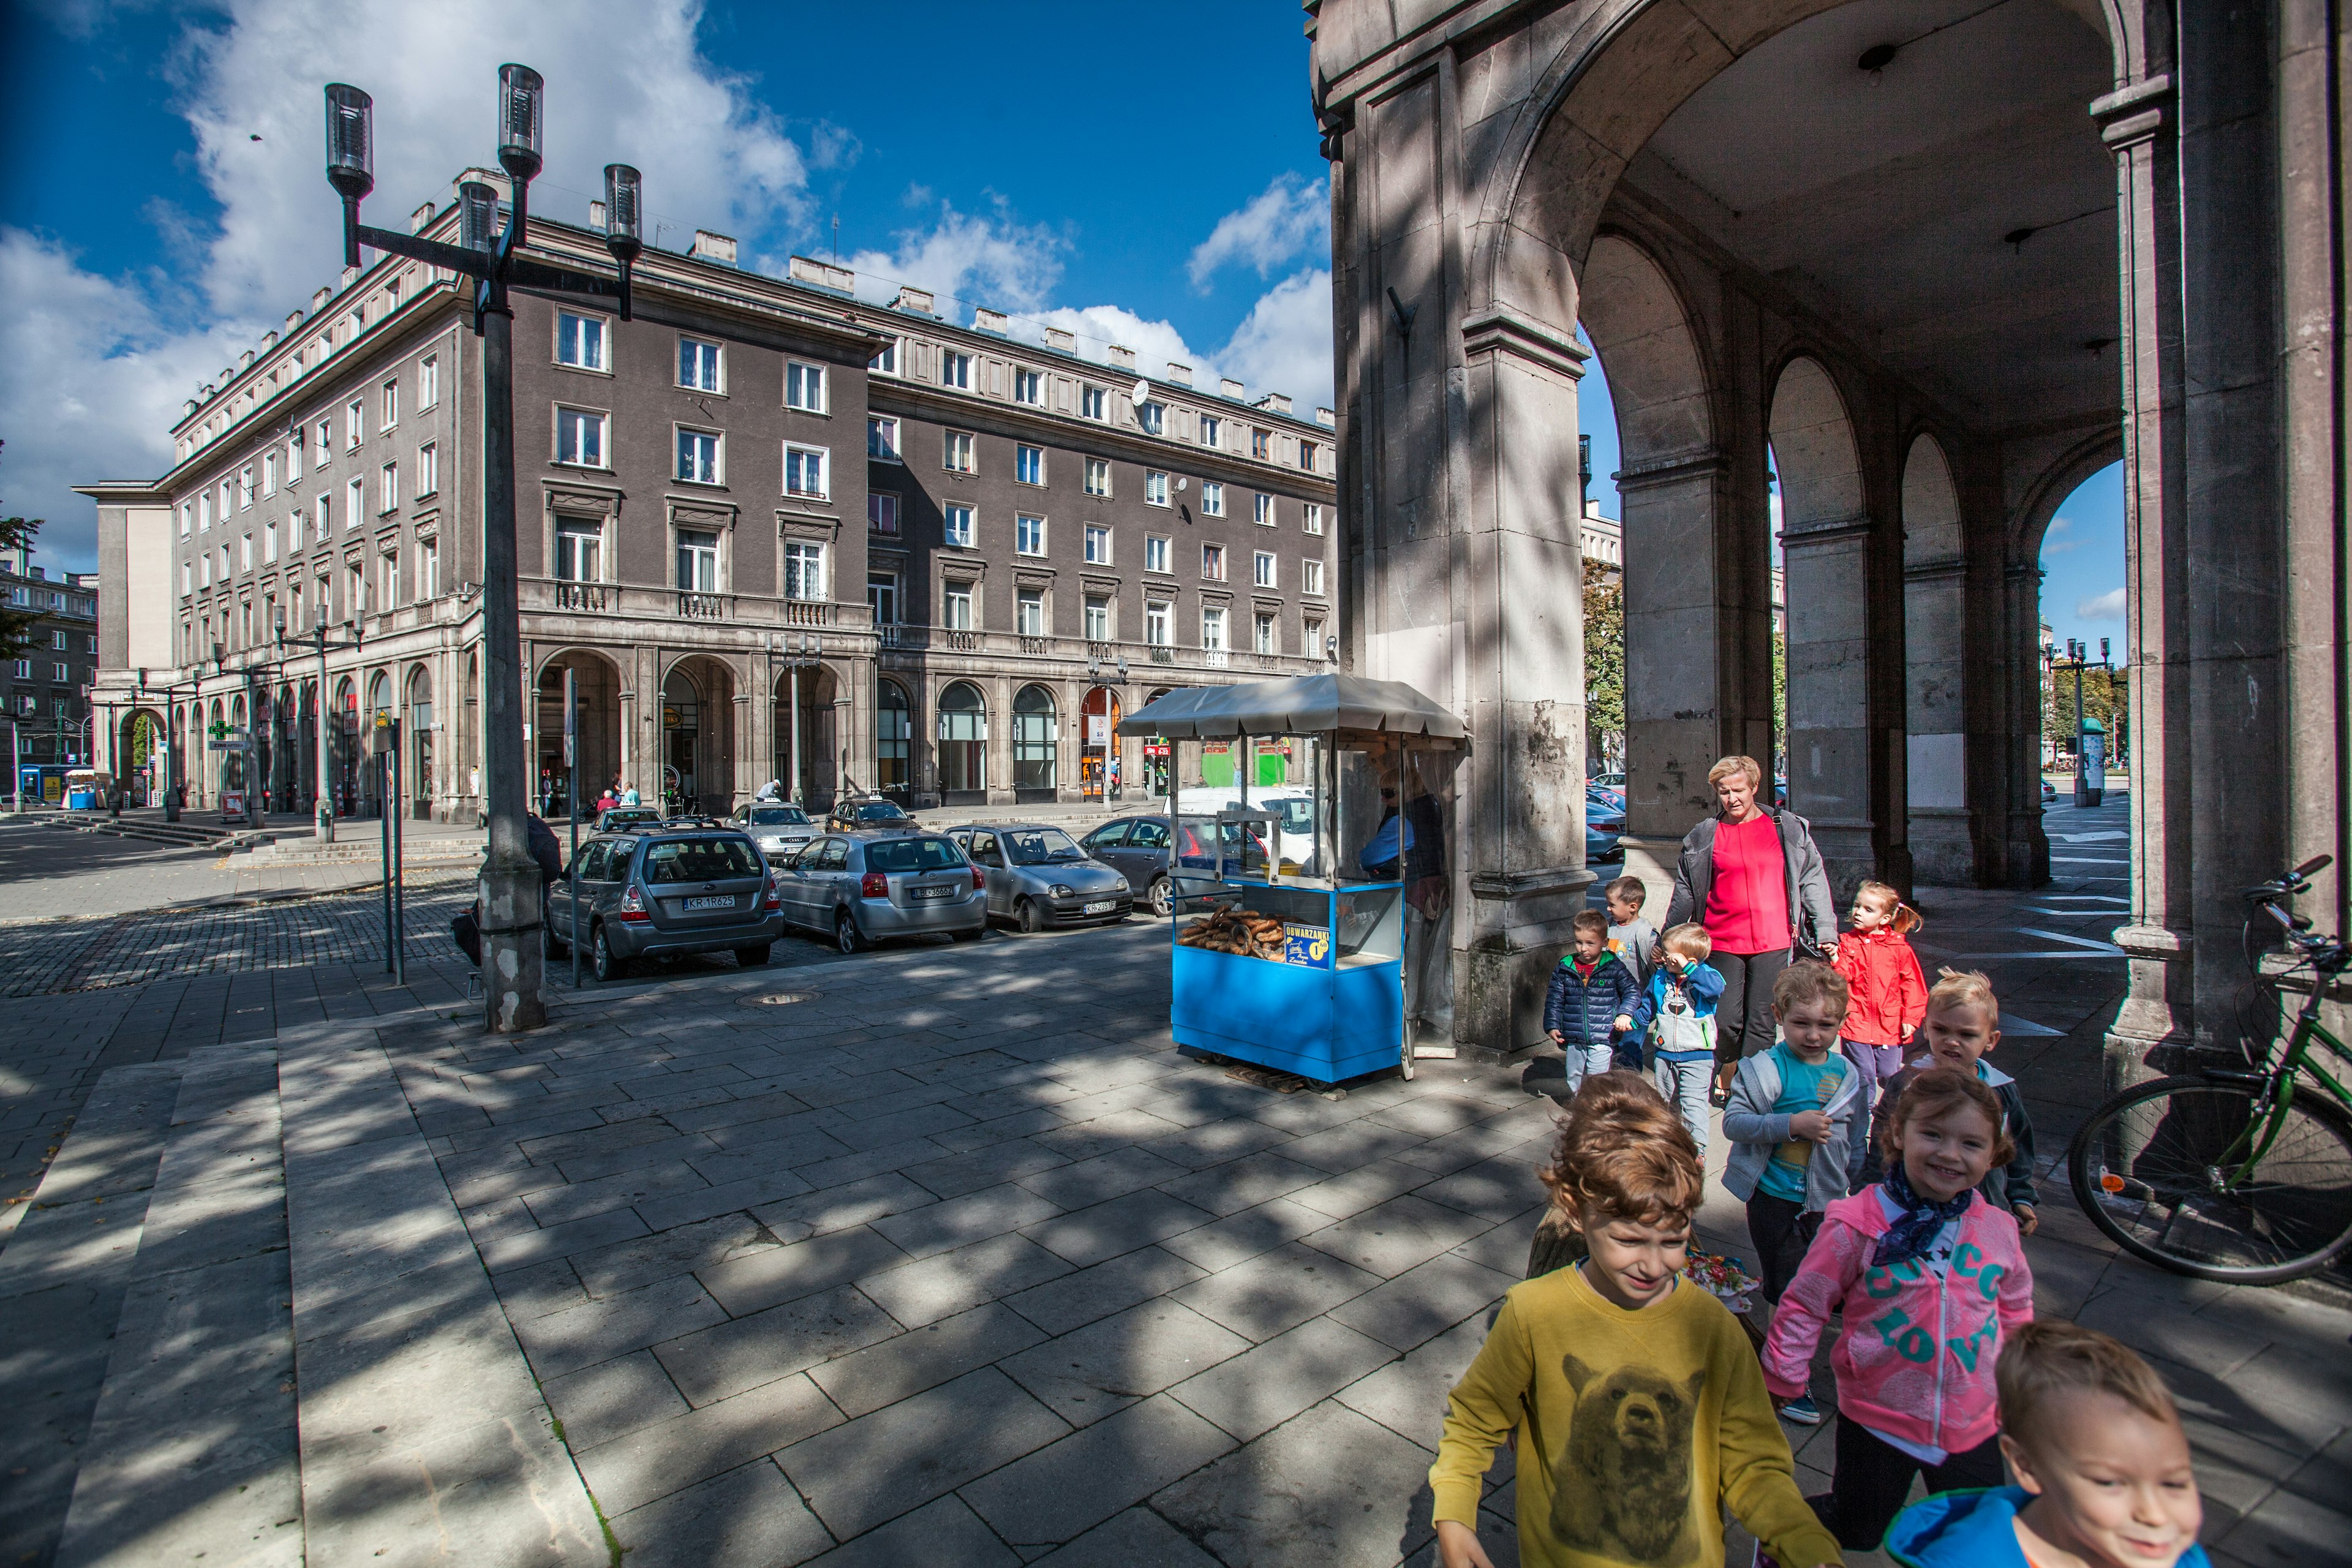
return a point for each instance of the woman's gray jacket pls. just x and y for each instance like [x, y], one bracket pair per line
[1811, 905]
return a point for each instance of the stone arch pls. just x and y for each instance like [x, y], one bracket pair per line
[1036, 736]
[602, 744]
[1936, 761]
[821, 692]
[417, 740]
[962, 742]
[698, 732]
[894, 739]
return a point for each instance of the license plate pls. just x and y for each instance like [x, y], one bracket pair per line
[719, 903]
[1102, 907]
[931, 892]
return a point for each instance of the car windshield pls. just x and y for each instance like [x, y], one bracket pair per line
[913, 855]
[1036, 846]
[701, 860]
[774, 816]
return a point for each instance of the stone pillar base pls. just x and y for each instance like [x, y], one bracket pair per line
[1943, 849]
[1847, 854]
[2154, 1029]
[1520, 927]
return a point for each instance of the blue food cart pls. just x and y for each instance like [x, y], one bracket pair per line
[1311, 883]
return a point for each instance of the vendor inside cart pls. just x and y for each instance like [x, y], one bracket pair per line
[1408, 846]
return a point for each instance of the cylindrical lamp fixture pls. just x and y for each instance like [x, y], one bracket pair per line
[521, 107]
[477, 216]
[351, 141]
[624, 214]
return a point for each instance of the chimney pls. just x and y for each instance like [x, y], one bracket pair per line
[1055, 338]
[719, 247]
[988, 321]
[422, 217]
[596, 215]
[1328, 419]
[1122, 356]
[909, 299]
[293, 319]
[806, 269]
[1274, 403]
[350, 275]
[1229, 387]
[268, 340]
[1181, 375]
[319, 300]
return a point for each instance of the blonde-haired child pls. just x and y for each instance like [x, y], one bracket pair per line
[1961, 1027]
[1677, 1013]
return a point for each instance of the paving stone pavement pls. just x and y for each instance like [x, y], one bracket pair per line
[956, 1259]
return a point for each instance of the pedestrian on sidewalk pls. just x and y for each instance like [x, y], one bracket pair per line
[1591, 1001]
[1961, 1027]
[1889, 1001]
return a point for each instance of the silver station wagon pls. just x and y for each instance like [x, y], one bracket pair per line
[664, 892]
[865, 888]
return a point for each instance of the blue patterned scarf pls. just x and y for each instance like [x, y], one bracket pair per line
[1915, 1229]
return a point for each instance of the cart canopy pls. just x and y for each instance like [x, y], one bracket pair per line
[1305, 704]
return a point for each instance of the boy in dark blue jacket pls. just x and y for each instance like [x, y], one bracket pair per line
[1591, 1001]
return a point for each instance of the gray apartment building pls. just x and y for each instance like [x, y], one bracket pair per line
[44, 688]
[768, 528]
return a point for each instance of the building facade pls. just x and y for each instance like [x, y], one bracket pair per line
[45, 687]
[767, 530]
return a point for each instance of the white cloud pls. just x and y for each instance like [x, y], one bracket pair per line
[1290, 216]
[1284, 345]
[967, 260]
[2107, 606]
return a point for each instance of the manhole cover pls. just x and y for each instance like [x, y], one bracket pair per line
[778, 998]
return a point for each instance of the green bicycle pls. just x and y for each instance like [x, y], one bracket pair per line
[2240, 1175]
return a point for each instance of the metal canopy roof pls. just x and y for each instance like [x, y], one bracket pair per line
[1304, 704]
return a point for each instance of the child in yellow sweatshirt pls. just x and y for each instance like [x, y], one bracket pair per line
[1638, 1407]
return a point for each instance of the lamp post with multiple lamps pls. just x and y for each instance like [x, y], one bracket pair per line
[323, 810]
[512, 957]
[2078, 658]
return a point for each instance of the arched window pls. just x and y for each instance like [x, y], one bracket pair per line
[1034, 734]
[963, 739]
[894, 728]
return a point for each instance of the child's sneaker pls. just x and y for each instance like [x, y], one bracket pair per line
[1803, 1411]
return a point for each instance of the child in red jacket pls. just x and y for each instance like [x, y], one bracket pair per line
[1889, 999]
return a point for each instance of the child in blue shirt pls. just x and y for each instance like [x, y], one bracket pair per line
[1590, 1000]
[1677, 1017]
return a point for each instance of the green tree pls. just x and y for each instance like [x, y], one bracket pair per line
[1605, 667]
[2107, 696]
[16, 625]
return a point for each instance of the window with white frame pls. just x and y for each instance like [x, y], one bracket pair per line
[882, 439]
[244, 488]
[698, 365]
[428, 381]
[187, 578]
[1158, 620]
[1212, 428]
[886, 361]
[1029, 465]
[205, 512]
[187, 518]
[269, 475]
[698, 456]
[1155, 488]
[1311, 639]
[956, 452]
[1097, 617]
[1029, 387]
[204, 570]
[387, 583]
[1212, 498]
[227, 501]
[294, 456]
[804, 569]
[958, 612]
[389, 491]
[428, 570]
[1156, 553]
[391, 409]
[1307, 452]
[882, 597]
[1311, 576]
[1268, 639]
[580, 550]
[428, 468]
[1097, 545]
[1097, 476]
[958, 520]
[882, 512]
[1094, 403]
[805, 472]
[322, 517]
[698, 560]
[354, 424]
[245, 552]
[955, 370]
[1311, 518]
[325, 444]
[580, 341]
[1263, 572]
[1212, 564]
[1028, 534]
[1213, 628]
[224, 562]
[804, 387]
[1151, 417]
[1029, 612]
[354, 500]
[355, 588]
[1264, 510]
[268, 542]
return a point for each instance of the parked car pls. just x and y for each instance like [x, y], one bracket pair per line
[868, 814]
[1138, 847]
[1601, 797]
[775, 826]
[2049, 792]
[1780, 790]
[865, 888]
[621, 818]
[1038, 876]
[1610, 780]
[664, 892]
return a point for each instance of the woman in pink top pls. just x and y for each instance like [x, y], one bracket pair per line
[1747, 874]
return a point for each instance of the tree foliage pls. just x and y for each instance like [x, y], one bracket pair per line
[2107, 696]
[17, 626]
[1604, 666]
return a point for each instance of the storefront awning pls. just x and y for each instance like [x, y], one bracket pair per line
[1306, 704]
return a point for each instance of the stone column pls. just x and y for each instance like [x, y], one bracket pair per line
[2025, 846]
[1824, 565]
[1943, 851]
[1000, 737]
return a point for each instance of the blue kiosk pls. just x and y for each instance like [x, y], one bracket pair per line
[1310, 873]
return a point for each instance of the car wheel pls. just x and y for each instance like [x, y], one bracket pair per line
[607, 964]
[845, 934]
[1163, 898]
[752, 957]
[1032, 920]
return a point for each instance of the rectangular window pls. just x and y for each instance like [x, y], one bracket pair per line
[1155, 552]
[1097, 545]
[1153, 418]
[355, 589]
[1211, 428]
[1097, 476]
[1029, 386]
[244, 488]
[1263, 574]
[804, 387]
[579, 551]
[1030, 612]
[697, 561]
[324, 518]
[1265, 511]
[805, 472]
[227, 502]
[187, 518]
[882, 512]
[354, 424]
[579, 438]
[1212, 564]
[580, 341]
[325, 446]
[955, 370]
[1307, 451]
[57, 641]
[886, 361]
[882, 597]
[1311, 639]
[1212, 498]
[294, 456]
[205, 512]
[956, 453]
[268, 546]
[387, 580]
[959, 525]
[1097, 619]
[391, 405]
[882, 439]
[958, 609]
[204, 570]
[269, 475]
[1029, 536]
[1261, 444]
[428, 468]
[428, 381]
[354, 501]
[187, 578]
[1029, 465]
[1311, 576]
[428, 570]
[1311, 520]
[1213, 628]
[1266, 640]
[1157, 616]
[697, 457]
[389, 491]
[1155, 490]
[1094, 403]
[245, 553]
[60, 674]
[698, 366]
[804, 569]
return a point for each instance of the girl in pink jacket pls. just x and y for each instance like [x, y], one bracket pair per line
[1930, 1278]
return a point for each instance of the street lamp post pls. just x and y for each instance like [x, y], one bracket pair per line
[2078, 658]
[323, 807]
[808, 649]
[512, 955]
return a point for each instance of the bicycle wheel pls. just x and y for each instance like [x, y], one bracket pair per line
[2156, 1168]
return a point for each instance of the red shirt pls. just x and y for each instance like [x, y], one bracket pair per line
[1748, 901]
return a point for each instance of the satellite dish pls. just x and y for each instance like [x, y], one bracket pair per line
[1180, 484]
[1141, 395]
